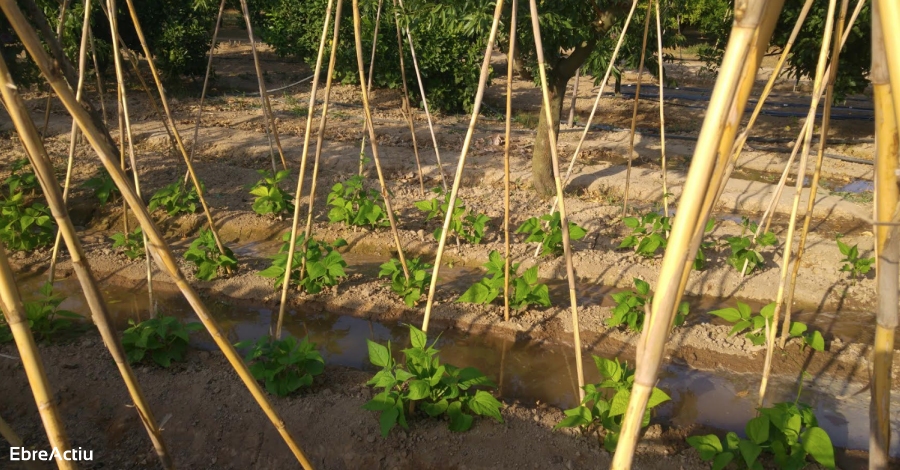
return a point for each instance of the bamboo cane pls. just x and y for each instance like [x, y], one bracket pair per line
[365, 99]
[814, 186]
[165, 103]
[889, 16]
[634, 110]
[99, 79]
[571, 122]
[43, 168]
[59, 32]
[9, 434]
[662, 114]
[31, 361]
[212, 51]
[73, 133]
[467, 142]
[748, 18]
[405, 109]
[789, 238]
[887, 271]
[120, 113]
[262, 87]
[564, 221]
[506, 144]
[437, 153]
[162, 253]
[362, 144]
[303, 158]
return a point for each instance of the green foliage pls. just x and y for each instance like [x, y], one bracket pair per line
[648, 233]
[324, 264]
[466, 225]
[525, 290]
[163, 339]
[205, 255]
[788, 431]
[20, 181]
[409, 289]
[631, 305]
[104, 188]
[132, 244]
[45, 319]
[353, 204]
[603, 407]
[424, 383]
[283, 365]
[755, 325]
[743, 251]
[551, 238]
[853, 264]
[24, 227]
[270, 198]
[176, 199]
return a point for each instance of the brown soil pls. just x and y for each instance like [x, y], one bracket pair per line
[214, 422]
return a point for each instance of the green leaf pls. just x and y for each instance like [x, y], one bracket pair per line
[815, 341]
[459, 421]
[435, 409]
[417, 337]
[728, 314]
[418, 389]
[797, 328]
[657, 396]
[619, 403]
[378, 354]
[817, 444]
[642, 287]
[388, 419]
[757, 429]
[749, 451]
[722, 460]
[708, 446]
[484, 404]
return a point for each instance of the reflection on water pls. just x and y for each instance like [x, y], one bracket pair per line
[526, 371]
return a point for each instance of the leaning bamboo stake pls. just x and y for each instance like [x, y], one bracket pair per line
[31, 361]
[59, 34]
[388, 207]
[10, 435]
[889, 16]
[662, 113]
[748, 18]
[792, 224]
[212, 51]
[161, 251]
[362, 144]
[437, 152]
[506, 144]
[814, 186]
[405, 109]
[99, 79]
[467, 142]
[887, 242]
[563, 218]
[73, 133]
[634, 110]
[571, 121]
[43, 169]
[303, 158]
[165, 103]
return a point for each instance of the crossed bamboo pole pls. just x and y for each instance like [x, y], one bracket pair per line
[60, 29]
[662, 112]
[753, 22]
[405, 109]
[362, 143]
[212, 51]
[43, 168]
[161, 250]
[634, 109]
[506, 144]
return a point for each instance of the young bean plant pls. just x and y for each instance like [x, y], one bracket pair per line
[467, 225]
[743, 253]
[24, 227]
[631, 307]
[285, 365]
[205, 255]
[853, 264]
[20, 181]
[755, 325]
[162, 339]
[424, 383]
[176, 199]
[324, 264]
[649, 233]
[551, 238]
[353, 204]
[270, 198]
[132, 244]
[46, 320]
[105, 190]
[604, 404]
[525, 290]
[409, 289]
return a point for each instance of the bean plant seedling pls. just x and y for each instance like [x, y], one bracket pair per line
[742, 249]
[46, 320]
[467, 225]
[525, 290]
[409, 289]
[551, 238]
[104, 188]
[353, 204]
[21, 181]
[789, 431]
[270, 198]
[424, 383]
[631, 306]
[743, 319]
[603, 408]
[284, 365]
[176, 199]
[163, 339]
[852, 263]
[205, 255]
[649, 233]
[24, 227]
[324, 264]
[132, 244]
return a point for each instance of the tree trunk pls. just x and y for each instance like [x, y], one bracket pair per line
[541, 163]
